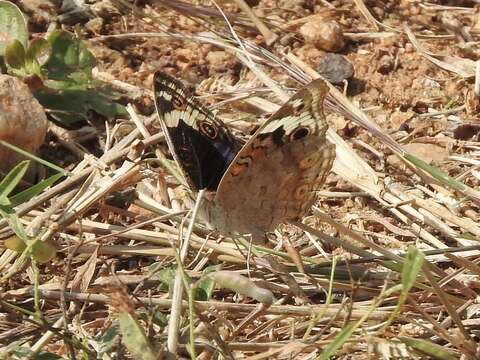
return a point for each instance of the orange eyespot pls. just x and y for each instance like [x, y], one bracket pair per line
[299, 133]
[208, 130]
[301, 191]
[309, 161]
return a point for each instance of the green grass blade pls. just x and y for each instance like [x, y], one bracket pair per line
[35, 158]
[436, 173]
[340, 339]
[34, 190]
[11, 180]
[433, 350]
[410, 270]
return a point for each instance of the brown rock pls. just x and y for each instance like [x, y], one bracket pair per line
[430, 153]
[467, 132]
[325, 35]
[23, 122]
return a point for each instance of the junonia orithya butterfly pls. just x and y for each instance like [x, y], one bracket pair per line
[267, 181]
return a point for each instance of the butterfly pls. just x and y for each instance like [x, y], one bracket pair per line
[270, 179]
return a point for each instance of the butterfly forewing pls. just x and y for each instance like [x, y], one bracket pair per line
[201, 144]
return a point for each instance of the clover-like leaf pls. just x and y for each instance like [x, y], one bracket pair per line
[12, 26]
[42, 251]
[16, 244]
[15, 55]
[37, 54]
[68, 55]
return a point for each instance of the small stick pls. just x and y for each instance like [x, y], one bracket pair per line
[46, 337]
[174, 321]
[269, 36]
[476, 89]
[234, 308]
[366, 14]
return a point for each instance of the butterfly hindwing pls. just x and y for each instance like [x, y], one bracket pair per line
[200, 143]
[281, 166]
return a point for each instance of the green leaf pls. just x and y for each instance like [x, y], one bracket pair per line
[12, 26]
[433, 350]
[38, 53]
[42, 251]
[338, 342]
[14, 243]
[7, 212]
[69, 55]
[205, 285]
[70, 93]
[160, 319]
[410, 270]
[23, 352]
[34, 190]
[71, 106]
[15, 55]
[39, 50]
[44, 355]
[108, 341]
[436, 173]
[166, 276]
[134, 337]
[11, 180]
[39, 250]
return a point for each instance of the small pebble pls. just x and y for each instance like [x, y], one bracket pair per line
[335, 68]
[325, 35]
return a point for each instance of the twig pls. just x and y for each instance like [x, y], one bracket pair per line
[269, 36]
[173, 324]
[366, 14]
[239, 309]
[477, 78]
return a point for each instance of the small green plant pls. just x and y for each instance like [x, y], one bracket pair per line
[59, 68]
[21, 242]
[23, 62]
[13, 26]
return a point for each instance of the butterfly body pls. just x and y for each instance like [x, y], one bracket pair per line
[273, 177]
